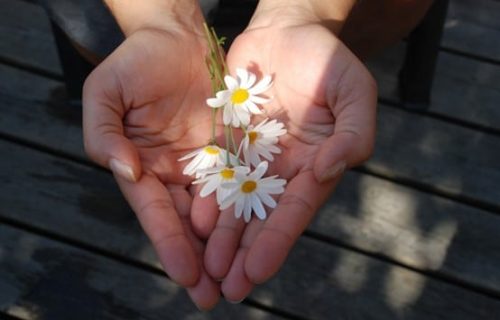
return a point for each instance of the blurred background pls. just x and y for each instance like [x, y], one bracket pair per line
[412, 234]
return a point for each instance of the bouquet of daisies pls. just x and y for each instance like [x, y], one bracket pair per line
[236, 173]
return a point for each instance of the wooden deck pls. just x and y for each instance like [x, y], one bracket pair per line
[413, 234]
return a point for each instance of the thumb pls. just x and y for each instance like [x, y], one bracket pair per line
[103, 133]
[353, 104]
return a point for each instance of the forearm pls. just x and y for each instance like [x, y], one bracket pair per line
[133, 15]
[332, 14]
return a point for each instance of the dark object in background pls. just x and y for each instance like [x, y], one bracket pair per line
[417, 73]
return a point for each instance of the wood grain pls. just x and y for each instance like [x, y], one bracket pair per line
[43, 279]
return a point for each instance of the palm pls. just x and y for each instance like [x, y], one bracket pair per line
[318, 85]
[165, 88]
[150, 95]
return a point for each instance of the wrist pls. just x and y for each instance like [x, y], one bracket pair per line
[171, 15]
[284, 13]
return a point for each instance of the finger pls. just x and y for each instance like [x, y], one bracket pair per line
[236, 286]
[103, 114]
[158, 216]
[206, 292]
[204, 214]
[295, 209]
[223, 243]
[353, 103]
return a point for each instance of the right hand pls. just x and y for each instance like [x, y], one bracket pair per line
[144, 107]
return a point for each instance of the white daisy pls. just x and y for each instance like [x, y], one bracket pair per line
[261, 141]
[204, 158]
[241, 97]
[249, 192]
[218, 175]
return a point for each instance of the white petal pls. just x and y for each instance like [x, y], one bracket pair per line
[259, 100]
[238, 208]
[243, 76]
[209, 187]
[267, 199]
[259, 171]
[266, 154]
[274, 149]
[258, 208]
[251, 80]
[242, 116]
[247, 209]
[241, 169]
[191, 154]
[261, 86]
[230, 199]
[270, 182]
[227, 115]
[254, 157]
[230, 185]
[231, 83]
[215, 102]
[193, 165]
[260, 125]
[252, 107]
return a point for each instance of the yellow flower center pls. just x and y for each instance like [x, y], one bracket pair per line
[252, 136]
[239, 96]
[248, 186]
[227, 173]
[211, 150]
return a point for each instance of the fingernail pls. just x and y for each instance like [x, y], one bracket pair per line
[334, 171]
[235, 301]
[121, 169]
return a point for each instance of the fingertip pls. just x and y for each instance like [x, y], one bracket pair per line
[236, 286]
[220, 251]
[205, 294]
[179, 261]
[266, 256]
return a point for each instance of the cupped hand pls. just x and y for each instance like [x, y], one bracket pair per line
[327, 100]
[144, 107]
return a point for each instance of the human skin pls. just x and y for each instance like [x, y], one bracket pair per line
[143, 109]
[327, 99]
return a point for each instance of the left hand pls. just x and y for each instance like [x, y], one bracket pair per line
[327, 99]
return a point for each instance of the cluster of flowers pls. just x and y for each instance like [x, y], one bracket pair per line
[229, 174]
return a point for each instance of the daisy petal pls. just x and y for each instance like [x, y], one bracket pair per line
[261, 86]
[267, 199]
[247, 210]
[259, 171]
[231, 83]
[209, 187]
[258, 207]
[238, 208]
[259, 100]
[229, 200]
[243, 76]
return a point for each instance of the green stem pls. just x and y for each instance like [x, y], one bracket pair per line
[233, 143]
[228, 143]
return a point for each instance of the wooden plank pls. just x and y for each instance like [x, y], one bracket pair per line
[474, 28]
[426, 150]
[417, 229]
[455, 160]
[26, 36]
[429, 151]
[317, 281]
[43, 279]
[28, 40]
[463, 88]
[34, 108]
